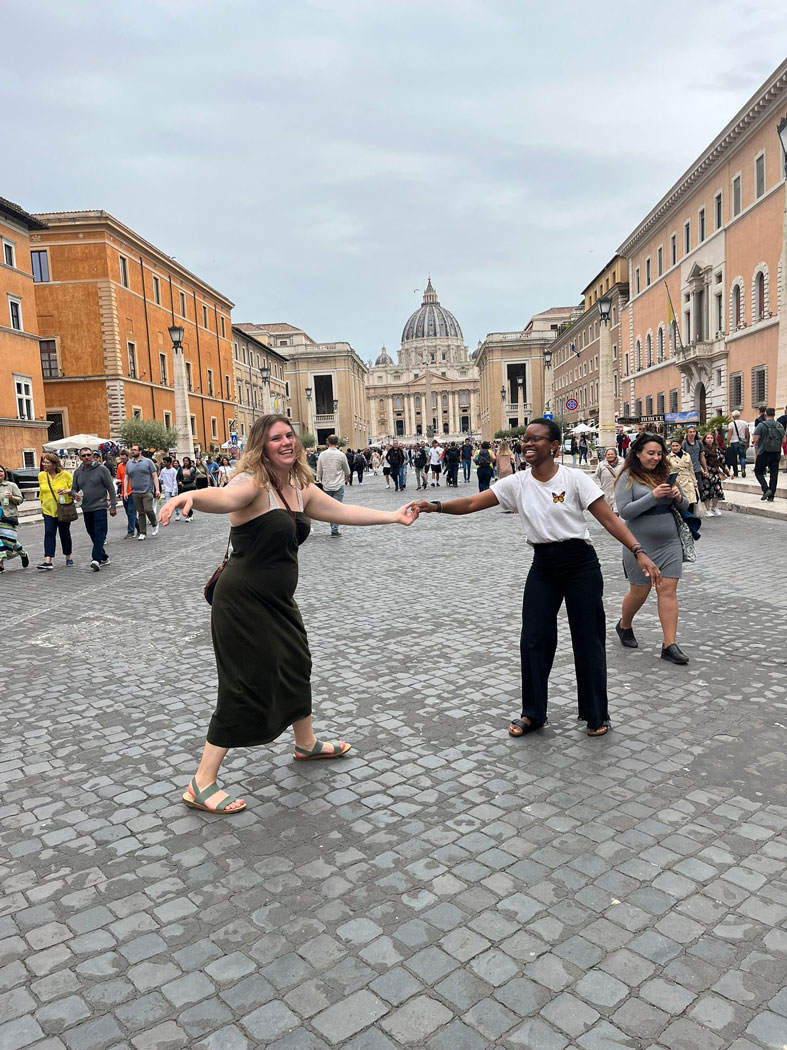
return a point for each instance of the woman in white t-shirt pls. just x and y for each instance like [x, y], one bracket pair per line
[551, 500]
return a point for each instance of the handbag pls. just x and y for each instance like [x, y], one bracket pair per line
[66, 512]
[10, 519]
[686, 534]
[210, 586]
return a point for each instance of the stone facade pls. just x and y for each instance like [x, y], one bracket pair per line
[255, 398]
[105, 309]
[432, 342]
[23, 423]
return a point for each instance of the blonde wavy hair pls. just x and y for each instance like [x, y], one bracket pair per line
[254, 461]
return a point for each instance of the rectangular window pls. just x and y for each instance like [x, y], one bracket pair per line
[193, 425]
[615, 384]
[719, 314]
[182, 299]
[132, 360]
[240, 392]
[660, 404]
[701, 225]
[227, 390]
[287, 388]
[168, 420]
[626, 364]
[188, 375]
[636, 280]
[660, 260]
[136, 413]
[40, 264]
[49, 369]
[759, 386]
[221, 319]
[23, 386]
[717, 209]
[649, 406]
[15, 312]
[736, 391]
[156, 291]
[759, 176]
[123, 271]
[673, 400]
[736, 195]
[210, 382]
[673, 249]
[687, 237]
[204, 316]
[647, 273]
[162, 363]
[214, 432]
[638, 407]
[9, 254]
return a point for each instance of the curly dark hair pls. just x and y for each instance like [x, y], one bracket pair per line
[634, 468]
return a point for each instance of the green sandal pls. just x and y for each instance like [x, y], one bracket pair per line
[340, 747]
[197, 799]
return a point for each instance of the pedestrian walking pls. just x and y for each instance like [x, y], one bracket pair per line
[693, 448]
[504, 460]
[574, 451]
[551, 500]
[143, 482]
[606, 475]
[712, 490]
[645, 500]
[452, 460]
[333, 473]
[435, 462]
[202, 476]
[420, 463]
[769, 438]
[168, 479]
[582, 449]
[54, 486]
[187, 482]
[125, 495]
[91, 487]
[679, 463]
[11, 500]
[270, 500]
[467, 459]
[359, 465]
[397, 461]
[375, 462]
[225, 471]
[485, 465]
[350, 458]
[738, 441]
[386, 466]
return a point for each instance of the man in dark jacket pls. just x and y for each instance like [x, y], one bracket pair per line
[452, 456]
[94, 482]
[397, 463]
[467, 458]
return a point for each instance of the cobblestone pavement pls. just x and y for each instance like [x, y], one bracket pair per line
[443, 886]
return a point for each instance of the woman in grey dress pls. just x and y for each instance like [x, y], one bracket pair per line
[645, 498]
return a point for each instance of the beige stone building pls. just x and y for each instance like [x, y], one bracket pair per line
[505, 358]
[325, 383]
[256, 396]
[576, 350]
[432, 353]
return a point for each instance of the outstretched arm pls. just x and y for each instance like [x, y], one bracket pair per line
[465, 505]
[236, 494]
[603, 514]
[323, 508]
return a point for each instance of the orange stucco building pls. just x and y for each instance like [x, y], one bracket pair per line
[105, 299]
[23, 423]
[713, 246]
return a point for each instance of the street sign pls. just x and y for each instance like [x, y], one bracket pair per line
[234, 439]
[548, 415]
[572, 404]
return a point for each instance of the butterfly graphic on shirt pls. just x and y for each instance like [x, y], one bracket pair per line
[559, 497]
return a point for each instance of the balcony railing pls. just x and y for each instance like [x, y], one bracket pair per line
[325, 419]
[512, 408]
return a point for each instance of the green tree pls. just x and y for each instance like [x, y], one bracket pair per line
[306, 439]
[147, 433]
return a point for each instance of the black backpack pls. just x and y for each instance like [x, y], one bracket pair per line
[484, 458]
[452, 455]
[773, 437]
[359, 460]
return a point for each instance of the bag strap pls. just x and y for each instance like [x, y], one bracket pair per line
[286, 506]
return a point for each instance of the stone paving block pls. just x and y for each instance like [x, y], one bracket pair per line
[490, 1018]
[601, 989]
[570, 1014]
[166, 1036]
[269, 1022]
[55, 1017]
[349, 1016]
[639, 1019]
[299, 1039]
[93, 1035]
[666, 995]
[19, 1032]
[768, 1027]
[684, 1034]
[228, 1038]
[202, 1018]
[536, 1034]
[396, 986]
[414, 1022]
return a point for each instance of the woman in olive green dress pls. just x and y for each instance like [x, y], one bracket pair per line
[262, 653]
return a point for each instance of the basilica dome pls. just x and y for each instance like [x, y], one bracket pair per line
[383, 359]
[431, 320]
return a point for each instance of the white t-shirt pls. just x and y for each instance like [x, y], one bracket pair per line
[550, 511]
[435, 456]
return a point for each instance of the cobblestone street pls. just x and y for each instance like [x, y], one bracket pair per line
[444, 886]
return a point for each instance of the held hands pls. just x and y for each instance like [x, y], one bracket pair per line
[423, 506]
[181, 502]
[407, 514]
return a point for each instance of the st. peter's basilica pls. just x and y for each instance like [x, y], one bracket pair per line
[431, 341]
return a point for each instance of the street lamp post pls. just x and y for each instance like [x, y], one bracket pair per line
[308, 392]
[503, 413]
[336, 415]
[547, 380]
[265, 376]
[520, 405]
[606, 400]
[184, 441]
[781, 359]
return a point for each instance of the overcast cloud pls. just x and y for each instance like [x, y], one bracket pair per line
[315, 160]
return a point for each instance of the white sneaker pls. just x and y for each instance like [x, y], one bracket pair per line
[717, 512]
[141, 536]
[154, 531]
[186, 520]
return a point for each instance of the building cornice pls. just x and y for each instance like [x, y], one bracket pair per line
[750, 118]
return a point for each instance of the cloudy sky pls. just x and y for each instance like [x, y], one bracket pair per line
[315, 159]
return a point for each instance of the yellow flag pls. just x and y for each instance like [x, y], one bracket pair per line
[670, 312]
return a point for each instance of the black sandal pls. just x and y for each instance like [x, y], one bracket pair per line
[526, 727]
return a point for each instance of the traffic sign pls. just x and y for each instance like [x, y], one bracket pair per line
[572, 404]
[234, 439]
[548, 415]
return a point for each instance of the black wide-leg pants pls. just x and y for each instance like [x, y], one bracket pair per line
[564, 571]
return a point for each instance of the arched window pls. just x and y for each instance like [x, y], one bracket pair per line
[760, 295]
[737, 306]
[660, 344]
[648, 350]
[418, 404]
[445, 401]
[397, 404]
[638, 356]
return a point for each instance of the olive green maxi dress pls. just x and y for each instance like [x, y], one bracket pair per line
[262, 653]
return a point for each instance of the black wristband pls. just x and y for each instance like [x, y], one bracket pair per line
[438, 504]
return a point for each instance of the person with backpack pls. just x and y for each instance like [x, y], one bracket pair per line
[420, 460]
[467, 458]
[485, 463]
[397, 461]
[768, 440]
[359, 465]
[738, 439]
[452, 457]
